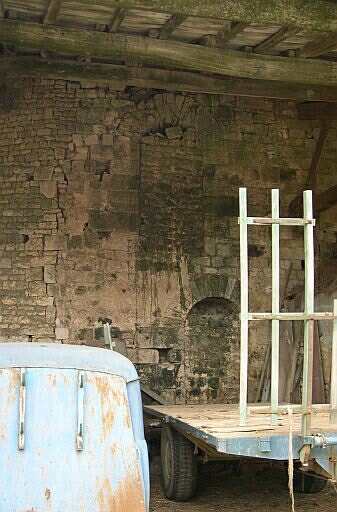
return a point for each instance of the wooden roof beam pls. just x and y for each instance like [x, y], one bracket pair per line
[163, 79]
[117, 19]
[2, 9]
[170, 54]
[281, 35]
[319, 46]
[317, 110]
[53, 10]
[171, 25]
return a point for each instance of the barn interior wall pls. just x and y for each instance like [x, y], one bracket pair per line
[122, 206]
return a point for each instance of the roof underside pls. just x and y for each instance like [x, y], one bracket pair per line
[142, 33]
[100, 16]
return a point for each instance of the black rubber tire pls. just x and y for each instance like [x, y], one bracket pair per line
[307, 484]
[179, 466]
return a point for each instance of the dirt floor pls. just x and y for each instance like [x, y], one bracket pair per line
[253, 489]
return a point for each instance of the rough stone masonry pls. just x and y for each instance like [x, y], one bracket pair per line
[122, 207]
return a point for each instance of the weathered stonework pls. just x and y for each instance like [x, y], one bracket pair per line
[120, 209]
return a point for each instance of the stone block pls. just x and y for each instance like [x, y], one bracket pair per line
[55, 243]
[143, 356]
[48, 188]
[50, 313]
[61, 333]
[81, 154]
[99, 129]
[35, 274]
[52, 290]
[5, 262]
[210, 246]
[34, 243]
[108, 139]
[174, 132]
[91, 140]
[102, 153]
[49, 274]
[217, 261]
[174, 356]
[78, 140]
[202, 261]
[223, 250]
[37, 289]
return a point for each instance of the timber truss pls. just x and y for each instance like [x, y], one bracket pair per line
[246, 47]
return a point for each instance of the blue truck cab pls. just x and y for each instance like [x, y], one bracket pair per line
[71, 430]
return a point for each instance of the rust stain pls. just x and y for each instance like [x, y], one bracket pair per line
[11, 379]
[127, 419]
[104, 385]
[108, 420]
[109, 398]
[13, 385]
[114, 449]
[47, 494]
[126, 498]
[52, 380]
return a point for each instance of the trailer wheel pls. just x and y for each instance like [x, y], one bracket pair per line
[308, 484]
[179, 469]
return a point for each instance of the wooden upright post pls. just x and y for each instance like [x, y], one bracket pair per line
[275, 337]
[308, 309]
[244, 306]
[333, 379]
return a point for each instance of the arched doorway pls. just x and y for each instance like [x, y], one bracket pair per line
[212, 351]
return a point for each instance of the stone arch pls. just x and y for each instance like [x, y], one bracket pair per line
[215, 286]
[212, 351]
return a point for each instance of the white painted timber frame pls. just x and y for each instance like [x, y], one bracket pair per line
[275, 316]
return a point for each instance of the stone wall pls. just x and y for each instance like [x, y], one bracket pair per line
[122, 206]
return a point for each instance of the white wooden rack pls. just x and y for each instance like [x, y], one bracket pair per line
[308, 316]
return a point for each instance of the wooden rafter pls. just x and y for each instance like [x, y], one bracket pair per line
[303, 13]
[164, 79]
[171, 25]
[167, 54]
[281, 35]
[223, 36]
[53, 10]
[117, 19]
[319, 46]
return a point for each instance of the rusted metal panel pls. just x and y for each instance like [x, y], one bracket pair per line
[109, 473]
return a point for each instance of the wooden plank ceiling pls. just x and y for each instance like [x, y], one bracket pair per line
[270, 39]
[112, 33]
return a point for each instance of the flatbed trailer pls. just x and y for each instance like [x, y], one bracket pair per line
[303, 434]
[216, 430]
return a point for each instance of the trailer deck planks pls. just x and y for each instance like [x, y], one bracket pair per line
[223, 421]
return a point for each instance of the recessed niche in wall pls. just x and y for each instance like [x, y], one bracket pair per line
[212, 330]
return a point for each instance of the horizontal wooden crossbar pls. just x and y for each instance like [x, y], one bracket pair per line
[261, 221]
[292, 316]
[166, 53]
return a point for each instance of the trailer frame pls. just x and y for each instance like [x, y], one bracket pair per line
[305, 432]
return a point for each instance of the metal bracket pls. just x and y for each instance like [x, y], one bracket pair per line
[107, 337]
[320, 440]
[22, 409]
[80, 412]
[264, 444]
[305, 452]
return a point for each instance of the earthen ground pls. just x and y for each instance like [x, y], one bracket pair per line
[253, 489]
